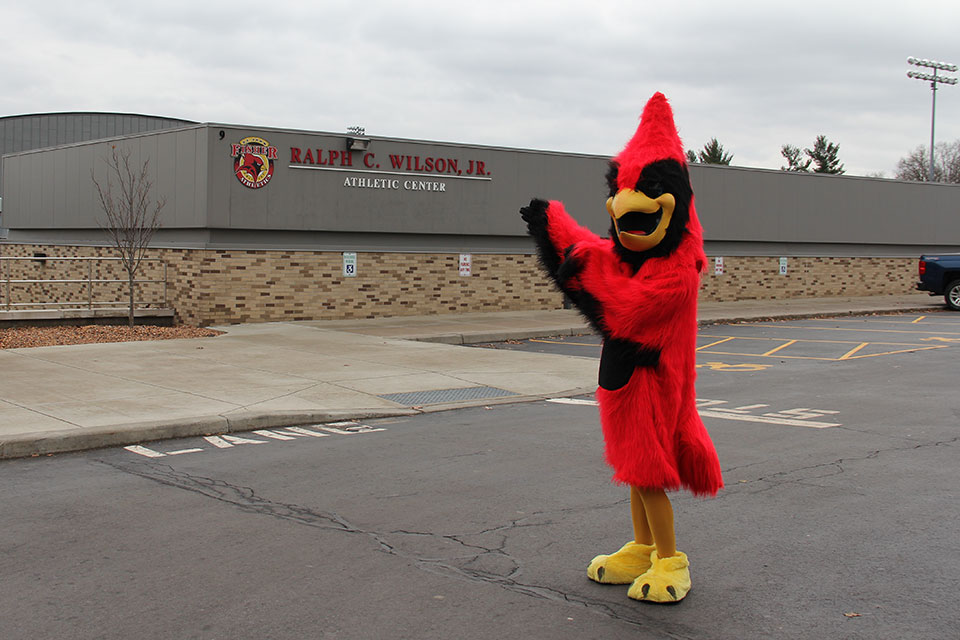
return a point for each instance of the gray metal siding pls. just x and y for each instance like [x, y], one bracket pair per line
[52, 189]
[756, 205]
[39, 131]
[315, 199]
[752, 210]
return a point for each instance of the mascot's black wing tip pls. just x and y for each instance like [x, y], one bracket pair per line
[535, 215]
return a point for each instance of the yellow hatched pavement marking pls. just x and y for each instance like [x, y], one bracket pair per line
[883, 320]
[890, 353]
[783, 346]
[849, 355]
[853, 351]
[857, 329]
[713, 344]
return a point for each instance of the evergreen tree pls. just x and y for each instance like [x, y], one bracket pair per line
[824, 156]
[691, 157]
[714, 153]
[794, 160]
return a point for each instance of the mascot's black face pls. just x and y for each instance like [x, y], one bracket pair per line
[649, 220]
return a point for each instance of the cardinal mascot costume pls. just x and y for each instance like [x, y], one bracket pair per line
[638, 289]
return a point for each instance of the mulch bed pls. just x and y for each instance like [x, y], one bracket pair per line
[21, 337]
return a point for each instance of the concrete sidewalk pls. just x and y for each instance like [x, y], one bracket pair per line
[68, 398]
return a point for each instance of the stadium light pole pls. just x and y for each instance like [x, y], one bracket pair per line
[934, 80]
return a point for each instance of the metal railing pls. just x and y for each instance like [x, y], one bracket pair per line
[89, 303]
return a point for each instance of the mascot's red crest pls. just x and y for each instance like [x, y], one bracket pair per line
[656, 139]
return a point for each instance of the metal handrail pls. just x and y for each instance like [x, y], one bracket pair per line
[89, 281]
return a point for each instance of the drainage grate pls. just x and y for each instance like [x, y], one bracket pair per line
[438, 396]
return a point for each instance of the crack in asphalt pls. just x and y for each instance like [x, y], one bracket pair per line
[457, 566]
[781, 477]
[475, 557]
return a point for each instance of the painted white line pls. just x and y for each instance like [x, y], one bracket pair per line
[176, 453]
[701, 402]
[218, 442]
[239, 440]
[339, 431]
[308, 432]
[150, 453]
[344, 423]
[740, 410]
[280, 432]
[790, 417]
[801, 414]
[769, 420]
[271, 434]
[351, 430]
[577, 401]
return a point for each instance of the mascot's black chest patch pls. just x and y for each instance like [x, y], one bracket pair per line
[620, 358]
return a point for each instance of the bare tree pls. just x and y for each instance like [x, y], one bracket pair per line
[946, 164]
[132, 217]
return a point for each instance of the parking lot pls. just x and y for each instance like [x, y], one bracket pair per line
[817, 373]
[838, 520]
[759, 346]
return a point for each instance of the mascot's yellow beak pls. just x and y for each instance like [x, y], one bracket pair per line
[640, 222]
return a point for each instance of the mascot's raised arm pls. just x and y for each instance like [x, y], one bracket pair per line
[638, 288]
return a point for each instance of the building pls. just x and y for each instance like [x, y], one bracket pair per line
[41, 130]
[266, 224]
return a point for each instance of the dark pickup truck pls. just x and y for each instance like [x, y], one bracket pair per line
[940, 275]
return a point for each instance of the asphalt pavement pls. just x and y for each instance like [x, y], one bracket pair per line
[281, 374]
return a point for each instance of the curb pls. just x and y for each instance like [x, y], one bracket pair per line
[81, 439]
[119, 435]
[123, 434]
[816, 314]
[482, 337]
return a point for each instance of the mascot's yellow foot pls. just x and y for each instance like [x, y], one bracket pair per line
[668, 580]
[622, 567]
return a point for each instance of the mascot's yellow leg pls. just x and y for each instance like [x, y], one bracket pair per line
[668, 579]
[633, 558]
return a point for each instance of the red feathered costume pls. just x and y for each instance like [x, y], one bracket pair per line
[644, 303]
[638, 288]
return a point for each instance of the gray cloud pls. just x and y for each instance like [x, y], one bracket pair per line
[561, 76]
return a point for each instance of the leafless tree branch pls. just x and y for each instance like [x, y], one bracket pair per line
[132, 217]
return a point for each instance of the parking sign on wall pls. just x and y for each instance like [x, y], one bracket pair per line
[349, 264]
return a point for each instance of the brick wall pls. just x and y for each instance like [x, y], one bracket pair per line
[758, 278]
[227, 286]
[216, 286]
[28, 295]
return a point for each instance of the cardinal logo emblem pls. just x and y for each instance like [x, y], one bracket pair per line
[253, 160]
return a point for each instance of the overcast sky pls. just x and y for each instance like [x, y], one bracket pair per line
[563, 76]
